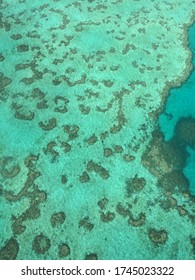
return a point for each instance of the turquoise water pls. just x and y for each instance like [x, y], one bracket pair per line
[181, 105]
[83, 172]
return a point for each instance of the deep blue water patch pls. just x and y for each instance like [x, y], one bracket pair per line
[178, 118]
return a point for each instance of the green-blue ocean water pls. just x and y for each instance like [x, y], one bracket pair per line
[82, 173]
[181, 104]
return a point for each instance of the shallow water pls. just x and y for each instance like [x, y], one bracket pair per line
[83, 172]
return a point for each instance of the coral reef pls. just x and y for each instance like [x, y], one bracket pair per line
[185, 131]
[41, 244]
[158, 236]
[10, 250]
[85, 171]
[64, 250]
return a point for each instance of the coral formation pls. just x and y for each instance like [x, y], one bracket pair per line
[83, 163]
[64, 250]
[91, 256]
[158, 236]
[10, 250]
[185, 131]
[58, 219]
[41, 244]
